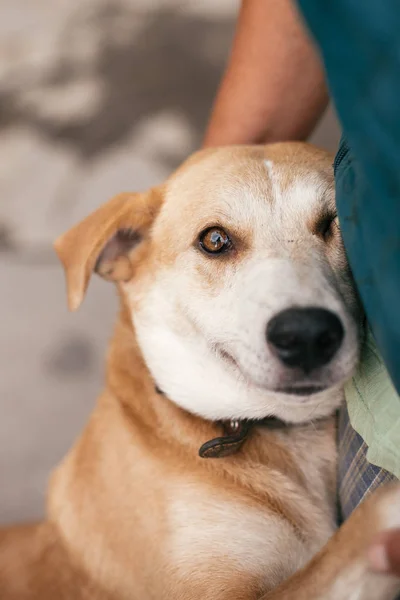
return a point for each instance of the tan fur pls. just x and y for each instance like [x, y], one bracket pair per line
[133, 512]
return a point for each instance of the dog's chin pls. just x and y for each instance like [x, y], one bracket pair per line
[301, 404]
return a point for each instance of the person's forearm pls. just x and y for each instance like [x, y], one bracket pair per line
[274, 87]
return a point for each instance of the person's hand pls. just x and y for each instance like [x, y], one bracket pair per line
[384, 553]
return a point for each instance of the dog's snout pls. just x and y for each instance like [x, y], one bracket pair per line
[306, 338]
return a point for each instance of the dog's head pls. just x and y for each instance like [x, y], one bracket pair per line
[236, 278]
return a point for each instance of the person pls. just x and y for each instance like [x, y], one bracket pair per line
[274, 89]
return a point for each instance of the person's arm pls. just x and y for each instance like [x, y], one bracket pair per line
[274, 86]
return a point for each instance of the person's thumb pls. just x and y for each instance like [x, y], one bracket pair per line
[384, 552]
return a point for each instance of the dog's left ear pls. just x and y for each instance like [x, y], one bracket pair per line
[105, 241]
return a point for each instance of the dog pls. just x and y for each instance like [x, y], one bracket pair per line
[208, 468]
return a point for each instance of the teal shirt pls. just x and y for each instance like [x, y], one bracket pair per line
[360, 45]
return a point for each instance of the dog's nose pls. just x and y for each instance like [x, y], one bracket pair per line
[307, 338]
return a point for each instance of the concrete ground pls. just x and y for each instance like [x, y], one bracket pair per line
[96, 97]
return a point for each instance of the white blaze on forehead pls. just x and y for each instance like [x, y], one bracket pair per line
[275, 187]
[269, 164]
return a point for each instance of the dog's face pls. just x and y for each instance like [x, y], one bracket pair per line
[236, 278]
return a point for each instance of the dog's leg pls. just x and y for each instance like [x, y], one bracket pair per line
[341, 571]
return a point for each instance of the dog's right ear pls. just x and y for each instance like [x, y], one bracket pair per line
[105, 241]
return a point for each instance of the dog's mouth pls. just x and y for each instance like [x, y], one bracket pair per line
[301, 390]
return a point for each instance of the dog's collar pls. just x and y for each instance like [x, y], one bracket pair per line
[236, 433]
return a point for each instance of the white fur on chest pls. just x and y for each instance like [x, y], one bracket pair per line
[207, 530]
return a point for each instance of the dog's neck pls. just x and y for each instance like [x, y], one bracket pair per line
[131, 383]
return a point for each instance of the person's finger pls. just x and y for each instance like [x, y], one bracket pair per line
[384, 553]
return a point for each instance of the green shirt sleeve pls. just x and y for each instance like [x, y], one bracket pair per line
[374, 409]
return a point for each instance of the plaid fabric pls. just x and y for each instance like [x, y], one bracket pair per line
[357, 477]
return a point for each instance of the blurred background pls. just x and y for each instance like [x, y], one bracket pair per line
[96, 97]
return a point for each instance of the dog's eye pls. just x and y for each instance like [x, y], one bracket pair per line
[326, 227]
[214, 240]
